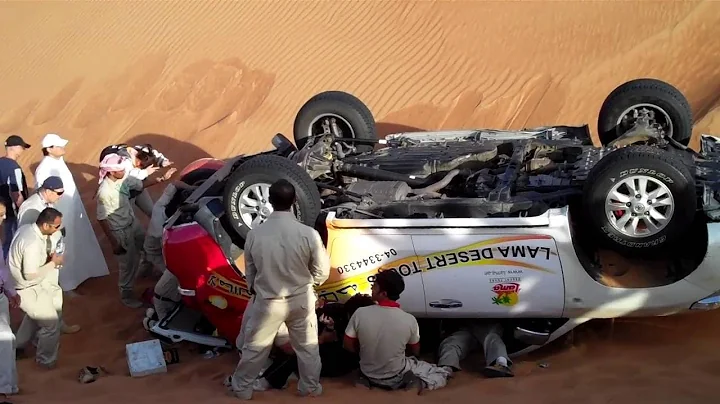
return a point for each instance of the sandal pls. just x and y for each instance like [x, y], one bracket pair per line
[89, 374]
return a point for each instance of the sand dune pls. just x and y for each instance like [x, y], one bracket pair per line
[201, 79]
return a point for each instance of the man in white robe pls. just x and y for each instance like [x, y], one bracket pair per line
[83, 257]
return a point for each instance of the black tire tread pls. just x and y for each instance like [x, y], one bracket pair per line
[648, 86]
[630, 154]
[368, 132]
[273, 165]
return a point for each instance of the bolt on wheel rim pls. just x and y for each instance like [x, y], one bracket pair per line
[639, 206]
[254, 204]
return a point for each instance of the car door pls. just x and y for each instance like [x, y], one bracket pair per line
[357, 255]
[490, 275]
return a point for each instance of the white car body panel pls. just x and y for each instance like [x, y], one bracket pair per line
[568, 291]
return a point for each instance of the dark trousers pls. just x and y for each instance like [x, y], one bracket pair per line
[336, 362]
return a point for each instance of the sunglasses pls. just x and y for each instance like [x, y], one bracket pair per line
[58, 192]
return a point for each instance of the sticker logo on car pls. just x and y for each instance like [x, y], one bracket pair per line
[506, 294]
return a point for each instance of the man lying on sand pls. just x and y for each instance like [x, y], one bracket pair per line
[467, 339]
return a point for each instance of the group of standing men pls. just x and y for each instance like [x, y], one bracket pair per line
[284, 261]
[49, 244]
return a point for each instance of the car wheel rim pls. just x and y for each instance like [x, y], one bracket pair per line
[331, 124]
[254, 204]
[639, 206]
[255, 207]
[652, 114]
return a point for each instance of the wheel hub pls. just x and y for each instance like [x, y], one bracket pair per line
[254, 204]
[644, 115]
[639, 206]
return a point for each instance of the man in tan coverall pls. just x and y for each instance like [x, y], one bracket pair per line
[117, 219]
[46, 196]
[34, 267]
[284, 259]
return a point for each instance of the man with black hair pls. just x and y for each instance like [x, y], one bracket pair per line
[284, 260]
[382, 334]
[34, 267]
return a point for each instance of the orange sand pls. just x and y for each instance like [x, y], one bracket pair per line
[201, 79]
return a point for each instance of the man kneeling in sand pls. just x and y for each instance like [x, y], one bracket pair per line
[467, 339]
[382, 333]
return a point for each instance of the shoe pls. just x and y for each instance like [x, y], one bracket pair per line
[261, 384]
[148, 323]
[127, 298]
[70, 329]
[317, 393]
[496, 370]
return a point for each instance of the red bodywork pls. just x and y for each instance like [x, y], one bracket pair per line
[208, 162]
[199, 263]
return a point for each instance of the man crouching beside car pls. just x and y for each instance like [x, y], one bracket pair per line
[382, 333]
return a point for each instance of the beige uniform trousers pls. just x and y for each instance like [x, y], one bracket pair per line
[153, 253]
[281, 338]
[166, 294]
[8, 371]
[42, 305]
[298, 313]
[144, 201]
[131, 239]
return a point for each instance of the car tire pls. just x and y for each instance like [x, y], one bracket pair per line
[354, 115]
[659, 169]
[666, 101]
[262, 171]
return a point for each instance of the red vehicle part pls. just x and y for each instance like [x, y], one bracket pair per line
[208, 162]
[196, 259]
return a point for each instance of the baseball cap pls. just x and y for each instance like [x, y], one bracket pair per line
[15, 140]
[52, 183]
[51, 140]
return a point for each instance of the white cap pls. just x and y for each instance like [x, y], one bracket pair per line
[51, 140]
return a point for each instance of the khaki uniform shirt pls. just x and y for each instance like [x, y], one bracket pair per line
[284, 257]
[29, 254]
[31, 208]
[114, 203]
[384, 334]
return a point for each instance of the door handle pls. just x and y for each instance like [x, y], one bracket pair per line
[446, 304]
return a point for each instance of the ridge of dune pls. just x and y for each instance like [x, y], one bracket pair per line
[200, 79]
